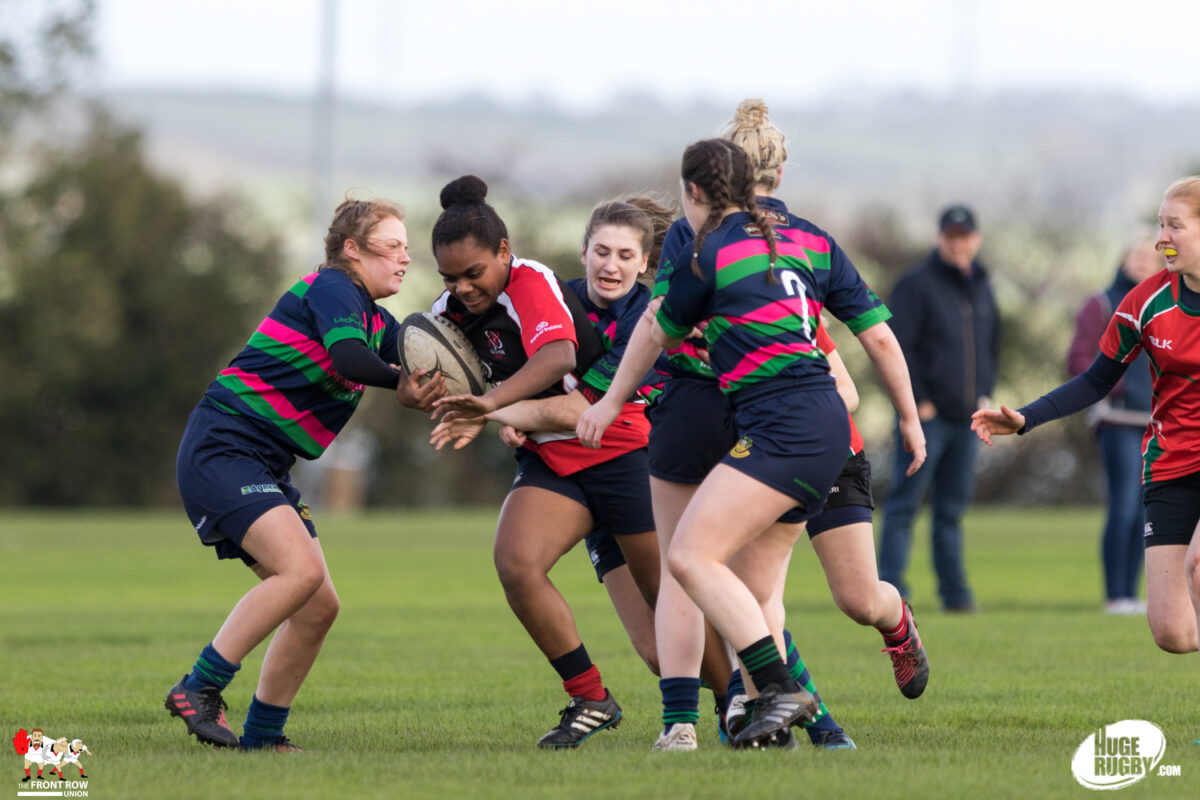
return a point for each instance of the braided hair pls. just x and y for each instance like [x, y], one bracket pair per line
[724, 173]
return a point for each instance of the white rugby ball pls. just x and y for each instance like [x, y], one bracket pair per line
[430, 341]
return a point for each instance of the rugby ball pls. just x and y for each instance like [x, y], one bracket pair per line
[430, 341]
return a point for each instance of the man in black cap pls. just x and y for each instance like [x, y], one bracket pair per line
[946, 319]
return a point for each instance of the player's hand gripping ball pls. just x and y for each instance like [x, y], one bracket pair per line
[430, 341]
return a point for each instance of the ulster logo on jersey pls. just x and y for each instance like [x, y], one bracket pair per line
[495, 344]
[742, 448]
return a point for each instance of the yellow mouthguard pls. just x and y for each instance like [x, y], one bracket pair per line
[1170, 251]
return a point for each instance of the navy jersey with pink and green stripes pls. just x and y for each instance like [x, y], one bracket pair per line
[687, 360]
[284, 380]
[615, 324]
[759, 330]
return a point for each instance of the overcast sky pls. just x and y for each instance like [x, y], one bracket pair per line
[579, 54]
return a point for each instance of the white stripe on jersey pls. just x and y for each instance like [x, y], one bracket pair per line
[547, 275]
[1166, 287]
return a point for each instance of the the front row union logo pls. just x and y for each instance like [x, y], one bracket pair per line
[1121, 754]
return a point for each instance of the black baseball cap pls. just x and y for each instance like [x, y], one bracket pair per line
[957, 219]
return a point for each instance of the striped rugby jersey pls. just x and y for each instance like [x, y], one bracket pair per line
[686, 360]
[757, 330]
[1151, 318]
[284, 380]
[615, 324]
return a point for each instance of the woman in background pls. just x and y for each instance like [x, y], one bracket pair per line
[1119, 420]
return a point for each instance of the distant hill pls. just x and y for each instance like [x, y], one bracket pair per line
[1096, 159]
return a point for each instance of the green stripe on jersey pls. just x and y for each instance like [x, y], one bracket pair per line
[597, 380]
[1160, 301]
[869, 319]
[314, 372]
[770, 368]
[718, 326]
[291, 428]
[669, 327]
[1128, 340]
[692, 364]
[753, 265]
[300, 288]
[336, 335]
[1154, 452]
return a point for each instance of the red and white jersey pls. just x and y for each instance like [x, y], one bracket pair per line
[1151, 318]
[52, 758]
[37, 752]
[534, 309]
[73, 753]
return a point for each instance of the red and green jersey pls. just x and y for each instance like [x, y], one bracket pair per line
[284, 380]
[1151, 318]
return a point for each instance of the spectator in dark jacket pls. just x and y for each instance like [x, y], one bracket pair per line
[946, 320]
[1120, 420]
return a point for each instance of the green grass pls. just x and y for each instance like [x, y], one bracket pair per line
[428, 687]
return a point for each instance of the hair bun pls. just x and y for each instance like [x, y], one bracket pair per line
[752, 111]
[468, 189]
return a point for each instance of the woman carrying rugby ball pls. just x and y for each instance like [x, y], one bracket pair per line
[534, 335]
[287, 394]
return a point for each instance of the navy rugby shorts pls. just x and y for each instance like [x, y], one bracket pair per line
[616, 493]
[794, 441]
[229, 475]
[691, 430]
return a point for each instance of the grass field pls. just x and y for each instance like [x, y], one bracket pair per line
[428, 687]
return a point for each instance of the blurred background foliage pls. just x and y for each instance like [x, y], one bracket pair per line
[131, 271]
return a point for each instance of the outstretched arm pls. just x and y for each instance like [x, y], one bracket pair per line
[546, 414]
[647, 342]
[987, 422]
[1074, 395]
[881, 345]
[546, 366]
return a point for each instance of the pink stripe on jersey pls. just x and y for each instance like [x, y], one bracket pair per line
[754, 360]
[773, 312]
[731, 254]
[809, 241]
[311, 348]
[320, 434]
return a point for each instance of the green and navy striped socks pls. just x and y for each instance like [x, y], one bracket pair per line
[681, 701]
[264, 724]
[211, 670]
